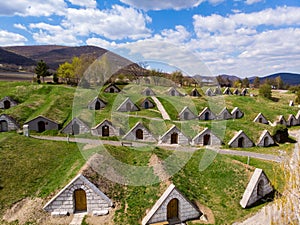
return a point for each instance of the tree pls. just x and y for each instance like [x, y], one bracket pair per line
[245, 83]
[237, 83]
[297, 100]
[265, 91]
[41, 70]
[66, 72]
[256, 82]
[177, 77]
[279, 82]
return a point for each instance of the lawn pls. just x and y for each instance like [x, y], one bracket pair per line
[31, 167]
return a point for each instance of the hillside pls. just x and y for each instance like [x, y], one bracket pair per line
[44, 167]
[53, 55]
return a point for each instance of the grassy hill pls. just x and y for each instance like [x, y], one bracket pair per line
[43, 167]
[53, 55]
[34, 168]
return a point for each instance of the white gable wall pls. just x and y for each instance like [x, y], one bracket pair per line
[185, 210]
[64, 202]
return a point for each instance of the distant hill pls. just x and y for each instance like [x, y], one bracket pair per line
[288, 78]
[53, 55]
[7, 57]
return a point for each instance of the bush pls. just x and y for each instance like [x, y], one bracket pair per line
[265, 91]
[280, 134]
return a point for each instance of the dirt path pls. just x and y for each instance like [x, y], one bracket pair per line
[94, 142]
[161, 108]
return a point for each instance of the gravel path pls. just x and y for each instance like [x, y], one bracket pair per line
[95, 142]
[161, 108]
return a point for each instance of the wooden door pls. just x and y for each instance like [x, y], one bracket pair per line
[80, 200]
[139, 134]
[174, 138]
[6, 104]
[76, 128]
[3, 126]
[105, 131]
[172, 209]
[241, 142]
[206, 139]
[97, 105]
[41, 126]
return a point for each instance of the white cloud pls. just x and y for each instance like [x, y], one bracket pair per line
[163, 4]
[32, 7]
[53, 34]
[115, 24]
[20, 26]
[250, 2]
[101, 43]
[84, 3]
[9, 38]
[236, 44]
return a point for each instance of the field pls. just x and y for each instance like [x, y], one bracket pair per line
[38, 169]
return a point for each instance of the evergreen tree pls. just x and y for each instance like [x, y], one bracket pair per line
[41, 70]
[256, 82]
[245, 83]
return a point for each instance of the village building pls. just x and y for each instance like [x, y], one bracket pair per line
[206, 114]
[260, 118]
[280, 120]
[139, 133]
[227, 91]
[7, 102]
[41, 124]
[147, 103]
[265, 139]
[291, 103]
[195, 93]
[148, 92]
[172, 208]
[237, 113]
[174, 136]
[258, 187]
[236, 91]
[298, 117]
[127, 106]
[112, 88]
[209, 92]
[173, 92]
[224, 114]
[106, 129]
[244, 92]
[240, 140]
[292, 121]
[7, 123]
[80, 195]
[186, 114]
[75, 127]
[96, 104]
[206, 137]
[218, 91]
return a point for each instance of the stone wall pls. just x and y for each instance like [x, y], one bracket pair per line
[49, 125]
[65, 201]
[166, 138]
[185, 210]
[147, 136]
[97, 131]
[199, 139]
[11, 123]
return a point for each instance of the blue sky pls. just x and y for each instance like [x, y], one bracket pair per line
[241, 37]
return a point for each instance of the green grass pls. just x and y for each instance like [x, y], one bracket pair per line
[31, 167]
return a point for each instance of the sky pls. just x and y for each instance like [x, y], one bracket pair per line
[237, 37]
